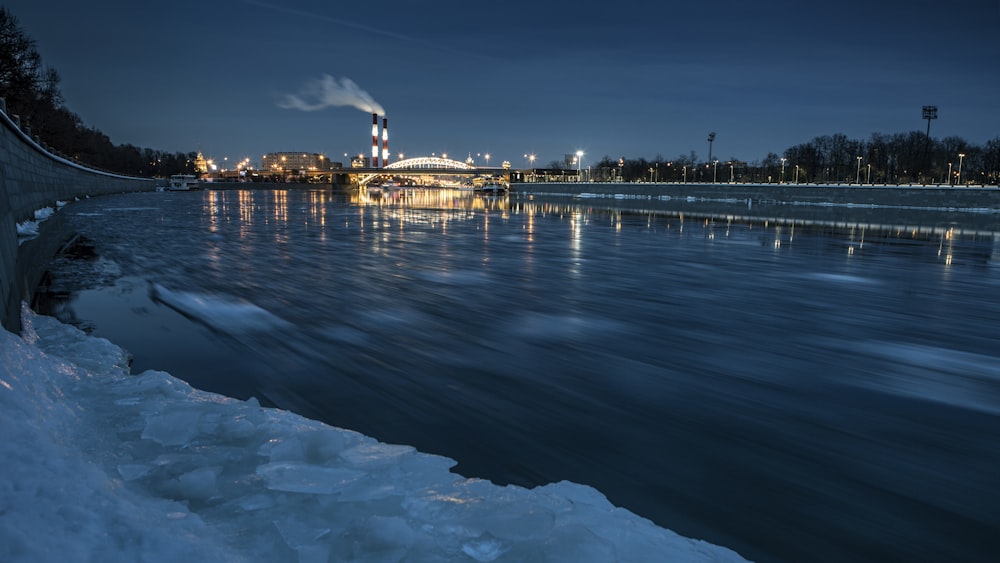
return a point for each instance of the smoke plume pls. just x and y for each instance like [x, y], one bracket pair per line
[327, 92]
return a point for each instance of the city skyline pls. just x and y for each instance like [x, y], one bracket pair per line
[625, 80]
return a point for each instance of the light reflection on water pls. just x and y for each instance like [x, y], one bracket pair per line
[793, 391]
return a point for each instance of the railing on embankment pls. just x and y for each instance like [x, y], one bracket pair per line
[31, 178]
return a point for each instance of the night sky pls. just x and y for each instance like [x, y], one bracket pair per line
[626, 78]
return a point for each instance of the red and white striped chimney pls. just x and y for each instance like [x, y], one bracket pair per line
[374, 140]
[385, 141]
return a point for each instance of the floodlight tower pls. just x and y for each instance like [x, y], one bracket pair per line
[929, 113]
[711, 139]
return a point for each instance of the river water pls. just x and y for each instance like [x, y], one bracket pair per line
[794, 392]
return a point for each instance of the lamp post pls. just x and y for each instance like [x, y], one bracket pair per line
[711, 139]
[796, 173]
[732, 176]
[579, 161]
[868, 175]
[858, 179]
[781, 179]
[961, 157]
[715, 172]
[949, 173]
[685, 174]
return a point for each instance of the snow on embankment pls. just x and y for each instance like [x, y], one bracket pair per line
[100, 465]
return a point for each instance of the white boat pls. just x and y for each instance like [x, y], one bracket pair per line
[183, 182]
[493, 188]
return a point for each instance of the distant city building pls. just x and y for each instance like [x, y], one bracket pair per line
[295, 161]
[200, 164]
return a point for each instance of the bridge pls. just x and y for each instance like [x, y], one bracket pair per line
[423, 166]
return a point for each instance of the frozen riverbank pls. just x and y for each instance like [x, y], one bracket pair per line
[103, 465]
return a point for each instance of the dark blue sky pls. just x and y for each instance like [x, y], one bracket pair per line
[627, 78]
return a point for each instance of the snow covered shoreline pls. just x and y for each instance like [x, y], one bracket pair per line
[103, 465]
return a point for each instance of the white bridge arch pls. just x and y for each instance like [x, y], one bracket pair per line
[428, 162]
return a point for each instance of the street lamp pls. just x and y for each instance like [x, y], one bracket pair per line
[961, 156]
[868, 175]
[949, 173]
[579, 160]
[781, 179]
[858, 179]
[685, 173]
[732, 177]
[711, 139]
[796, 173]
[715, 172]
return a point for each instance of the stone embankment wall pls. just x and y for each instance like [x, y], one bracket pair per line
[31, 178]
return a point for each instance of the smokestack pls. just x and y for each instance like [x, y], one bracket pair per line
[385, 141]
[374, 140]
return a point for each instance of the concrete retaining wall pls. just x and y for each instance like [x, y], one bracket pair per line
[968, 209]
[32, 178]
[886, 196]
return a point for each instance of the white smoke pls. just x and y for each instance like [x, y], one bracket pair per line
[328, 92]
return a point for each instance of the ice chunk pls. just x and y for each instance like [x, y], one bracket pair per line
[173, 428]
[198, 484]
[219, 312]
[27, 229]
[305, 478]
[133, 471]
[484, 549]
[376, 454]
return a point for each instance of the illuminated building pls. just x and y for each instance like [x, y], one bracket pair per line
[301, 162]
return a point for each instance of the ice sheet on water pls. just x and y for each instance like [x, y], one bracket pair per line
[549, 326]
[932, 373]
[220, 312]
[100, 465]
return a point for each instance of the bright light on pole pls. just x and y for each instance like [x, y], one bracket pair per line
[715, 172]
[781, 179]
[858, 179]
[579, 161]
[961, 157]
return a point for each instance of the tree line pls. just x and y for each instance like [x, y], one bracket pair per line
[33, 100]
[900, 158]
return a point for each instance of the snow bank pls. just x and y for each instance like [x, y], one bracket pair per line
[102, 465]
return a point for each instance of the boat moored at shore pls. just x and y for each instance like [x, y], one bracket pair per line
[183, 183]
